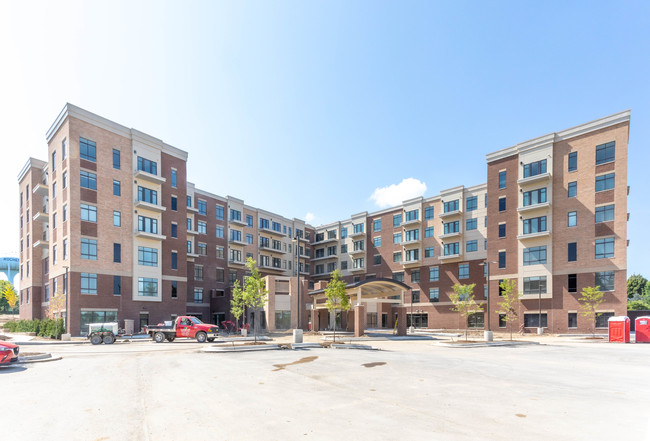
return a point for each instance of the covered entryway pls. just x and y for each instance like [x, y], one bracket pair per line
[379, 291]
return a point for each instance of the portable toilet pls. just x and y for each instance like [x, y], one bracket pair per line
[619, 329]
[642, 328]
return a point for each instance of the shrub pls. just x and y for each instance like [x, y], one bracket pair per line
[52, 328]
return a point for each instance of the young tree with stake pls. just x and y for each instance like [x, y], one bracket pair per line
[464, 303]
[337, 297]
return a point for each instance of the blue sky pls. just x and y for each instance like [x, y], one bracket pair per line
[307, 108]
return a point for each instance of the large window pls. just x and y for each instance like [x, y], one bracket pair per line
[376, 241]
[535, 225]
[220, 232]
[376, 225]
[471, 203]
[88, 213]
[235, 215]
[147, 165]
[535, 285]
[428, 213]
[397, 221]
[534, 197]
[282, 319]
[87, 150]
[429, 252]
[535, 168]
[531, 320]
[415, 276]
[502, 179]
[147, 256]
[148, 195]
[605, 153]
[602, 320]
[605, 280]
[88, 317]
[397, 238]
[412, 255]
[471, 245]
[535, 255]
[116, 159]
[463, 271]
[434, 274]
[203, 207]
[605, 248]
[471, 224]
[572, 252]
[451, 249]
[358, 228]
[605, 182]
[412, 215]
[88, 180]
[573, 161]
[219, 212]
[434, 295]
[428, 232]
[605, 213]
[147, 224]
[397, 256]
[88, 283]
[451, 206]
[147, 287]
[89, 249]
[451, 227]
[202, 227]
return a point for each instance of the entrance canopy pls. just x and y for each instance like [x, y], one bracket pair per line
[376, 290]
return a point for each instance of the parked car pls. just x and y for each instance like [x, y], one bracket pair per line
[8, 352]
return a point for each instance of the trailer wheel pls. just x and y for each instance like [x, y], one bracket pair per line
[159, 337]
[201, 337]
[170, 339]
[96, 339]
[109, 339]
[210, 339]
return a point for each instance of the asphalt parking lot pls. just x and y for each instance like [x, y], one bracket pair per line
[405, 390]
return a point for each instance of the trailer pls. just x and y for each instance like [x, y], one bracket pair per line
[99, 333]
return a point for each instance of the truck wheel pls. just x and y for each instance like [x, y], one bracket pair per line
[210, 339]
[170, 339]
[96, 339]
[201, 337]
[159, 337]
[109, 339]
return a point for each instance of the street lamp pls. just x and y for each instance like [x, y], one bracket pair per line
[488, 332]
[296, 240]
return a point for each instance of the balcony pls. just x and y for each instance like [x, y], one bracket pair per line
[42, 243]
[411, 222]
[149, 206]
[406, 243]
[268, 266]
[238, 222]
[192, 232]
[452, 234]
[236, 262]
[43, 189]
[324, 241]
[271, 231]
[534, 179]
[358, 269]
[537, 235]
[148, 235]
[412, 262]
[449, 256]
[271, 249]
[191, 255]
[145, 176]
[193, 210]
[356, 252]
[529, 208]
[332, 256]
[42, 216]
[449, 214]
[357, 234]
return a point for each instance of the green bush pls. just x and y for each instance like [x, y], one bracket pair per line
[52, 328]
[635, 305]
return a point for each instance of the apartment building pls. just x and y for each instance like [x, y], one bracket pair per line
[111, 219]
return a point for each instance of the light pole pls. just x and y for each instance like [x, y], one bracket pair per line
[297, 242]
[488, 333]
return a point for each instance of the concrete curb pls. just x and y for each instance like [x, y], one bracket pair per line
[44, 358]
[53, 342]
[241, 348]
[305, 346]
[236, 339]
[364, 347]
[486, 344]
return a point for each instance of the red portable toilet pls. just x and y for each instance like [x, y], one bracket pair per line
[642, 327]
[619, 329]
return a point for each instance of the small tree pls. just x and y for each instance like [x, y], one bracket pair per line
[253, 295]
[237, 305]
[636, 286]
[9, 294]
[337, 297]
[591, 298]
[464, 303]
[509, 304]
[57, 304]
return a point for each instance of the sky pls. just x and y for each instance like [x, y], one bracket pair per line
[320, 110]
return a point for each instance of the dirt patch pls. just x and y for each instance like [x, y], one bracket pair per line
[4, 338]
[520, 415]
[280, 367]
[252, 343]
[464, 342]
[373, 364]
[31, 354]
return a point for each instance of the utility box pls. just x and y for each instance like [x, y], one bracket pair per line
[619, 329]
[128, 326]
[642, 328]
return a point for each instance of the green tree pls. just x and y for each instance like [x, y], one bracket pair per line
[637, 286]
[237, 305]
[337, 297]
[637, 305]
[464, 303]
[9, 297]
[509, 304]
[591, 298]
[254, 294]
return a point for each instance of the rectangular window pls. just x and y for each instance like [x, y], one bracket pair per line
[535, 168]
[220, 253]
[89, 249]
[147, 195]
[88, 283]
[117, 219]
[64, 149]
[203, 249]
[117, 285]
[220, 232]
[264, 223]
[535, 225]
[397, 256]
[376, 259]
[535, 197]
[428, 232]
[344, 249]
[451, 206]
[64, 184]
[605, 280]
[573, 283]
[605, 248]
[219, 212]
[174, 179]
[411, 235]
[412, 215]
[605, 213]
[88, 213]
[573, 161]
[358, 228]
[235, 235]
[147, 225]
[471, 224]
[502, 259]
[202, 227]
[572, 189]
[249, 239]
[174, 260]
[189, 201]
[605, 153]
[415, 276]
[573, 320]
[471, 203]
[65, 213]
[535, 255]
[117, 253]
[502, 321]
[344, 232]
[117, 191]
[147, 256]
[502, 230]
[415, 296]
[249, 221]
[116, 159]
[376, 225]
[147, 287]
[65, 249]
[358, 245]
[147, 165]
[235, 215]
[471, 246]
[428, 213]
[88, 180]
[412, 255]
[397, 220]
[376, 241]
[398, 276]
[572, 220]
[451, 249]
[174, 203]
[87, 150]
[397, 238]
[198, 272]
[434, 295]
[463, 271]
[358, 263]
[602, 320]
[535, 285]
[203, 207]
[502, 179]
[198, 295]
[451, 227]
[429, 252]
[531, 320]
[502, 204]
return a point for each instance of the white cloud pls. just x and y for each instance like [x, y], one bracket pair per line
[309, 217]
[396, 194]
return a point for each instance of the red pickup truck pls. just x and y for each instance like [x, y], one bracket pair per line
[184, 327]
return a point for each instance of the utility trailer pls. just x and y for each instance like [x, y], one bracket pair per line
[99, 333]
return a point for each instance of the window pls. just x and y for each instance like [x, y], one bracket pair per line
[502, 204]
[275, 226]
[411, 235]
[235, 235]
[377, 259]
[174, 203]
[89, 249]
[147, 287]
[116, 159]
[64, 184]
[463, 271]
[415, 296]
[397, 220]
[249, 219]
[64, 149]
[573, 320]
[451, 206]
[471, 224]
[198, 272]
[605, 280]
[605, 248]
[451, 249]
[605, 213]
[573, 161]
[397, 256]
[535, 168]
[235, 215]
[54, 190]
[88, 283]
[65, 249]
[148, 195]
[573, 189]
[116, 188]
[535, 255]
[412, 215]
[572, 219]
[398, 276]
[264, 223]
[535, 197]
[434, 295]
[220, 253]
[471, 203]
[502, 179]
[605, 153]
[174, 179]
[358, 245]
[117, 219]
[249, 239]
[358, 263]
[202, 249]
[535, 225]
[412, 255]
[174, 260]
[88, 213]
[147, 256]
[573, 283]
[147, 225]
[344, 248]
[65, 213]
[220, 232]
[117, 285]
[603, 319]
[376, 225]
[451, 227]
[471, 246]
[189, 201]
[429, 252]
[219, 212]
[502, 230]
[202, 227]
[377, 241]
[203, 207]
[147, 165]
[397, 238]
[535, 285]
[428, 213]
[87, 150]
[358, 228]
[532, 320]
[88, 180]
[117, 253]
[428, 232]
[502, 259]
[502, 321]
